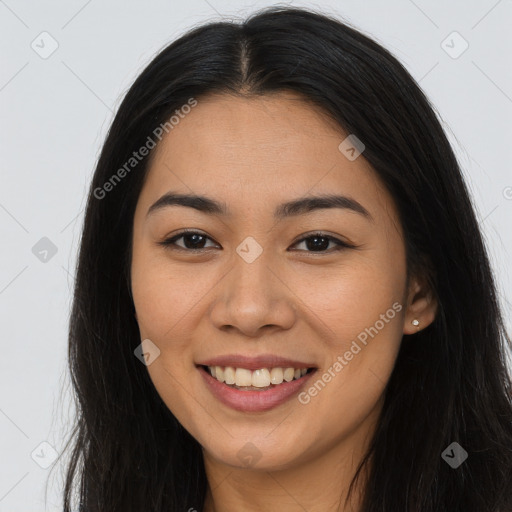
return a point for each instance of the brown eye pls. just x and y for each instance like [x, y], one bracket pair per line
[319, 242]
[192, 240]
[195, 241]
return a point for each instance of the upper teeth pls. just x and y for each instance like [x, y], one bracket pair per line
[257, 378]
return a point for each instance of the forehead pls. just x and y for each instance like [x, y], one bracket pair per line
[249, 151]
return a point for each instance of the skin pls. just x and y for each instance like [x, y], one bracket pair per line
[254, 154]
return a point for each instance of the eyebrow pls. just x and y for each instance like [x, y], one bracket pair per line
[292, 208]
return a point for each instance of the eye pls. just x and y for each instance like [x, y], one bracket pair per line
[319, 242]
[192, 241]
[196, 241]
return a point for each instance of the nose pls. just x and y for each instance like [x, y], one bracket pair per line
[253, 299]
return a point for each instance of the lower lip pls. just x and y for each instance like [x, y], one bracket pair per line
[253, 401]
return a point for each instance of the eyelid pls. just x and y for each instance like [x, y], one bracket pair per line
[340, 244]
[320, 234]
[170, 241]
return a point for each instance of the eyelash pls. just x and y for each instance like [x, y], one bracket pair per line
[169, 243]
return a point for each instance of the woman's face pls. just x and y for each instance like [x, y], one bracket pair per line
[254, 290]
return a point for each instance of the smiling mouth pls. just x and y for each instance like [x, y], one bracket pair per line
[262, 379]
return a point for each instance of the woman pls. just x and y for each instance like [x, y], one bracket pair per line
[283, 300]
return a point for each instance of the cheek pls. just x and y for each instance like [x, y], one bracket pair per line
[359, 312]
[164, 293]
[163, 297]
[354, 295]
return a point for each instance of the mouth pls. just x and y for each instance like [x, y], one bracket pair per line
[255, 389]
[261, 379]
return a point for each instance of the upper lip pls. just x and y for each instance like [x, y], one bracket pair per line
[255, 362]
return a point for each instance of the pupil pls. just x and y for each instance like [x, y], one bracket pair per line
[196, 239]
[315, 245]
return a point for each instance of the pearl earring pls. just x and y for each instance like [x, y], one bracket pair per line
[415, 322]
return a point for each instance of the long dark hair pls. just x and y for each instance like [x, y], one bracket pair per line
[450, 382]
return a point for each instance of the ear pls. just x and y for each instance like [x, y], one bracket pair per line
[421, 305]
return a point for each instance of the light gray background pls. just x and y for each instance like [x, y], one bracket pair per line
[55, 113]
